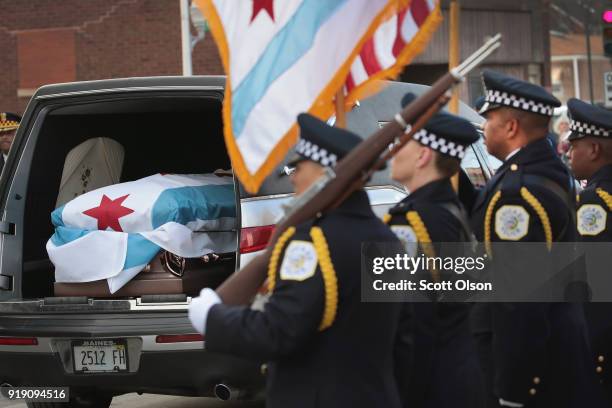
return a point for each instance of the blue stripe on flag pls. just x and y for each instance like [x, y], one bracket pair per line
[186, 204]
[140, 251]
[56, 217]
[287, 47]
[64, 235]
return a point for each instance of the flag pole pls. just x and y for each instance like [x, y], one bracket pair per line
[453, 61]
[340, 109]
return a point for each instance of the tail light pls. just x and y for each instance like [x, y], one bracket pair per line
[179, 338]
[18, 341]
[253, 239]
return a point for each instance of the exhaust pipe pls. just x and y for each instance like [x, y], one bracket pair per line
[226, 392]
[3, 388]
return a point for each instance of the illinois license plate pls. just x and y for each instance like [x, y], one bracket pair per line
[100, 356]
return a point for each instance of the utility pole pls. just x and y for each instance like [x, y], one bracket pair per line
[454, 52]
[186, 38]
[454, 56]
[587, 32]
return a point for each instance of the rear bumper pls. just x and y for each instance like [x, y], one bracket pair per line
[165, 368]
[191, 373]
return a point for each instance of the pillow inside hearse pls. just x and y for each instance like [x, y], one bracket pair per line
[144, 211]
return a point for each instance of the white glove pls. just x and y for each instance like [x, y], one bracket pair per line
[199, 307]
[504, 403]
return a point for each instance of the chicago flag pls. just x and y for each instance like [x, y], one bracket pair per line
[284, 57]
[114, 232]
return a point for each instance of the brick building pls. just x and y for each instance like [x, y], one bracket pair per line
[570, 67]
[50, 41]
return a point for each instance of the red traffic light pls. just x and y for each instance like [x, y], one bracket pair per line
[607, 16]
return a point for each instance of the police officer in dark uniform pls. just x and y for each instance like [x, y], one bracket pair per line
[591, 160]
[444, 371]
[533, 354]
[325, 347]
[9, 122]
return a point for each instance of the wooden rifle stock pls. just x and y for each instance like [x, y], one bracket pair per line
[351, 171]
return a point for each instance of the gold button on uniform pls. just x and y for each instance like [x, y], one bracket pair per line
[599, 369]
[536, 380]
[513, 167]
[600, 359]
[264, 369]
[532, 391]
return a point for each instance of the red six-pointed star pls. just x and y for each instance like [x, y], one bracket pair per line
[108, 213]
[267, 5]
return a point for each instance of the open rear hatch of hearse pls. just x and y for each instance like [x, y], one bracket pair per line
[79, 137]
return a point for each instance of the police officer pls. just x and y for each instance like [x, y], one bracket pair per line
[9, 122]
[533, 354]
[326, 348]
[444, 371]
[591, 159]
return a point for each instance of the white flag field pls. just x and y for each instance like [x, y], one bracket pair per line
[285, 57]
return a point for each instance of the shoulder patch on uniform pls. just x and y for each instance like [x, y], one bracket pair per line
[511, 222]
[591, 219]
[407, 237]
[299, 262]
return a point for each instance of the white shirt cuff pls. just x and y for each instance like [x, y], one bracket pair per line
[199, 308]
[511, 404]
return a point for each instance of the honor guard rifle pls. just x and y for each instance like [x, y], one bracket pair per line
[352, 172]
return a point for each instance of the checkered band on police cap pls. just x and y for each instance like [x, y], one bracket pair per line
[497, 97]
[316, 153]
[588, 129]
[439, 144]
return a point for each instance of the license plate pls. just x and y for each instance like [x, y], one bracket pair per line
[100, 356]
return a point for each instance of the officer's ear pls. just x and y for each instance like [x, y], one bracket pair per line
[424, 157]
[512, 126]
[595, 150]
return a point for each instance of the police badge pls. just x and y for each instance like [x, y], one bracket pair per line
[511, 222]
[591, 219]
[299, 262]
[407, 237]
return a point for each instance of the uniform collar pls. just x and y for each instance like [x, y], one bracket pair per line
[512, 153]
[604, 173]
[439, 190]
[533, 152]
[357, 203]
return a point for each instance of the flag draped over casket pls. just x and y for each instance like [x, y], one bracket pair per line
[291, 56]
[114, 232]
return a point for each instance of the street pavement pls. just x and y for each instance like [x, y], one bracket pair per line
[160, 401]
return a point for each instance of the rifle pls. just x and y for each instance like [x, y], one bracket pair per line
[352, 172]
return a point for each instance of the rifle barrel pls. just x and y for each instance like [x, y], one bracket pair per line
[241, 287]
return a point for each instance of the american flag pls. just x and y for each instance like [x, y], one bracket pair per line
[394, 44]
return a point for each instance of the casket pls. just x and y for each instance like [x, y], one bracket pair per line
[163, 234]
[162, 276]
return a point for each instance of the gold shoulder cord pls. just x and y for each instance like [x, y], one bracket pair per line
[420, 230]
[276, 252]
[330, 280]
[487, 223]
[541, 211]
[386, 218]
[605, 196]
